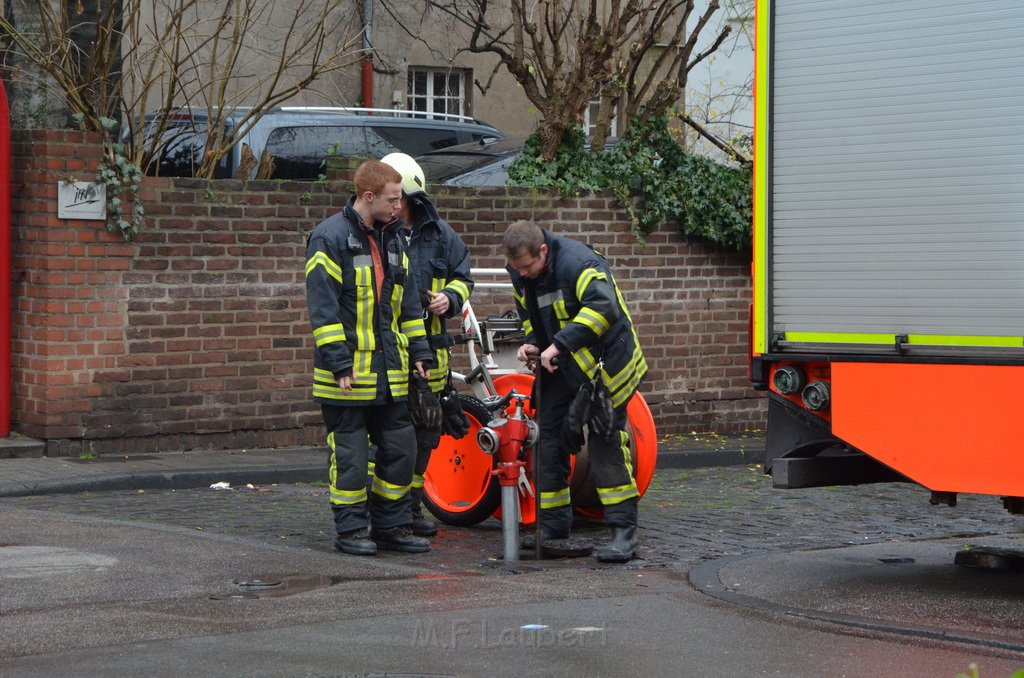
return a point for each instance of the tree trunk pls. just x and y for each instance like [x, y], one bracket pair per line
[96, 29]
[602, 128]
[550, 133]
[34, 97]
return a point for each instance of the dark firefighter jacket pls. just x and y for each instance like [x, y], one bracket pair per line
[440, 263]
[355, 333]
[576, 305]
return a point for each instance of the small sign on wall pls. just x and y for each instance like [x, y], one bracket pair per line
[81, 200]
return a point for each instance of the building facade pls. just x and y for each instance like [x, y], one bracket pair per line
[389, 55]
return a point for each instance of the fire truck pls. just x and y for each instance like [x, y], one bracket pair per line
[887, 320]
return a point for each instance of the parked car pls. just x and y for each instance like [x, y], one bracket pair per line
[298, 139]
[482, 163]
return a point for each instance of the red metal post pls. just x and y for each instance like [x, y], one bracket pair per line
[5, 265]
[368, 82]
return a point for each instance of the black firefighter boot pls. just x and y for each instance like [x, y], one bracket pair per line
[399, 538]
[353, 538]
[621, 548]
[421, 526]
[624, 543]
[357, 543]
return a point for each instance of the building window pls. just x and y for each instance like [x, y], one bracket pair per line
[590, 119]
[437, 90]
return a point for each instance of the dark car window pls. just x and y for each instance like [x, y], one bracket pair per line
[299, 140]
[299, 152]
[480, 164]
[182, 144]
[384, 139]
[182, 150]
[441, 166]
[477, 137]
[494, 173]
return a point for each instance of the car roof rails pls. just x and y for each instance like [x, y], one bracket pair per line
[199, 111]
[396, 112]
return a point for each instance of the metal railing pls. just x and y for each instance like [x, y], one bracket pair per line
[478, 336]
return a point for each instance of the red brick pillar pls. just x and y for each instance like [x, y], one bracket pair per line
[69, 299]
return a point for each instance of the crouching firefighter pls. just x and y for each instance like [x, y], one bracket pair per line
[367, 326]
[578, 328]
[440, 267]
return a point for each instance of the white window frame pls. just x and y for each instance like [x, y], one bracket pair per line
[437, 103]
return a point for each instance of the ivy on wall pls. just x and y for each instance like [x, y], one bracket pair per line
[122, 180]
[654, 178]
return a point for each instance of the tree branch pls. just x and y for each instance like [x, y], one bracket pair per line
[718, 143]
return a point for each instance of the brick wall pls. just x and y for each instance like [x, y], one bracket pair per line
[195, 334]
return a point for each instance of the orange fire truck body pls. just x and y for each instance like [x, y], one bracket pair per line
[887, 322]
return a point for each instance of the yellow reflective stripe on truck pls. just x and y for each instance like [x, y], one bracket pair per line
[762, 18]
[911, 339]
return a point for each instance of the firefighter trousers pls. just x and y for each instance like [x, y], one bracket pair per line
[426, 441]
[610, 463]
[350, 430]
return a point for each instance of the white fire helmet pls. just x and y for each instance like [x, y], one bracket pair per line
[413, 181]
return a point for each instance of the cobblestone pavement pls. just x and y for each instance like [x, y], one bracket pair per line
[686, 516]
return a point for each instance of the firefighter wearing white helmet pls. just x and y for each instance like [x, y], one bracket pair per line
[440, 265]
[413, 180]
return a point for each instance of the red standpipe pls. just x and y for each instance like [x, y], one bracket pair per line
[506, 438]
[5, 265]
[368, 82]
[513, 434]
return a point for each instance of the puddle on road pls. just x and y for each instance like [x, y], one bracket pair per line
[276, 587]
[29, 561]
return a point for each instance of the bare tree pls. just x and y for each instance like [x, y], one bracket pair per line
[718, 114]
[88, 53]
[652, 76]
[633, 54]
[123, 58]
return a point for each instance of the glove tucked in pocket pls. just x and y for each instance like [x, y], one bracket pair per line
[424, 408]
[602, 412]
[576, 418]
[454, 421]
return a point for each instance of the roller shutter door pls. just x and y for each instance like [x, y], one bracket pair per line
[897, 167]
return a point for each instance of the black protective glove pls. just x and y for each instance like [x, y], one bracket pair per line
[576, 418]
[424, 408]
[454, 421]
[602, 412]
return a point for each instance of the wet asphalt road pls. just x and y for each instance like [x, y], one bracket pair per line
[685, 516]
[689, 519]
